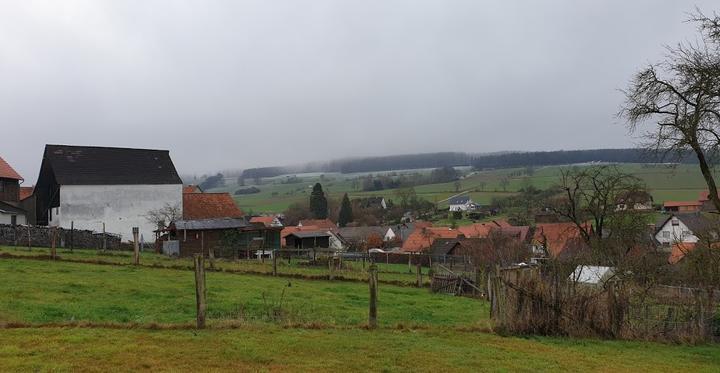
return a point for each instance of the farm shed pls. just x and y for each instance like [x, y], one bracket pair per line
[308, 240]
[592, 275]
[227, 237]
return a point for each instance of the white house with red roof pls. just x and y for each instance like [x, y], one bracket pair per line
[11, 211]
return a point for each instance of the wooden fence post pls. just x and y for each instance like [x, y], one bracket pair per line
[29, 243]
[331, 267]
[136, 245]
[419, 274]
[274, 258]
[373, 282]
[72, 235]
[200, 290]
[104, 245]
[53, 252]
[211, 250]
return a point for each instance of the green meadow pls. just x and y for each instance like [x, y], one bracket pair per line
[682, 182]
[68, 317]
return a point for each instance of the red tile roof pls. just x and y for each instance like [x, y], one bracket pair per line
[25, 192]
[209, 205]
[322, 223]
[682, 203]
[679, 250]
[422, 238]
[267, 220]
[558, 237]
[7, 172]
[191, 189]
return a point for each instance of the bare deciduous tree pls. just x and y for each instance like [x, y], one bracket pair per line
[504, 182]
[681, 94]
[591, 195]
[165, 215]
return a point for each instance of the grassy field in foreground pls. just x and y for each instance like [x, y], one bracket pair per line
[50, 292]
[275, 349]
[392, 273]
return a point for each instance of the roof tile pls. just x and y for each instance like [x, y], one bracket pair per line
[209, 206]
[7, 172]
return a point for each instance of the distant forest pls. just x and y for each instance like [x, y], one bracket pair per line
[478, 161]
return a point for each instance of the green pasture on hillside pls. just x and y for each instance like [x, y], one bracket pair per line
[682, 182]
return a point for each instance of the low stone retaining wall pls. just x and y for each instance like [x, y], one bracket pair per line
[42, 236]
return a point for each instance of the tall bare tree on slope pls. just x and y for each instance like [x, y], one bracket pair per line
[681, 94]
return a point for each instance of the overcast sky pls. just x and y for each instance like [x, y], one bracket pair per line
[236, 84]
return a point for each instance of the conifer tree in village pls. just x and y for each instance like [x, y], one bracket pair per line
[346, 213]
[318, 203]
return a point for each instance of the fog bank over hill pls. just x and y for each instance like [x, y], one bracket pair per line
[507, 159]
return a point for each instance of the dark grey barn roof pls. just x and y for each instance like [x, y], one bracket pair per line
[91, 165]
[309, 234]
[461, 200]
[9, 208]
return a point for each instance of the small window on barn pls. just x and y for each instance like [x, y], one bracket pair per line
[13, 220]
[666, 234]
[675, 222]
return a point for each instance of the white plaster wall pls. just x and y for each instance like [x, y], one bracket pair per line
[6, 218]
[389, 235]
[335, 242]
[120, 207]
[675, 233]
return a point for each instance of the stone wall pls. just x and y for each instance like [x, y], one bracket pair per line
[41, 236]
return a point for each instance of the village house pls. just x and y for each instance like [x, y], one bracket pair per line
[85, 187]
[635, 200]
[192, 188]
[681, 228]
[372, 202]
[358, 237]
[682, 206]
[11, 211]
[319, 223]
[461, 203]
[422, 238]
[268, 221]
[557, 240]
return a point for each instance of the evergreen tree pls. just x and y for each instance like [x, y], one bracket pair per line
[318, 203]
[346, 213]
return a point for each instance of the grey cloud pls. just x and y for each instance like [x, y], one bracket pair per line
[233, 84]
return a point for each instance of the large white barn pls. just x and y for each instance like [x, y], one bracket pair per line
[84, 187]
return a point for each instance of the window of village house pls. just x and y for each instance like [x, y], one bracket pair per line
[666, 234]
[675, 222]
